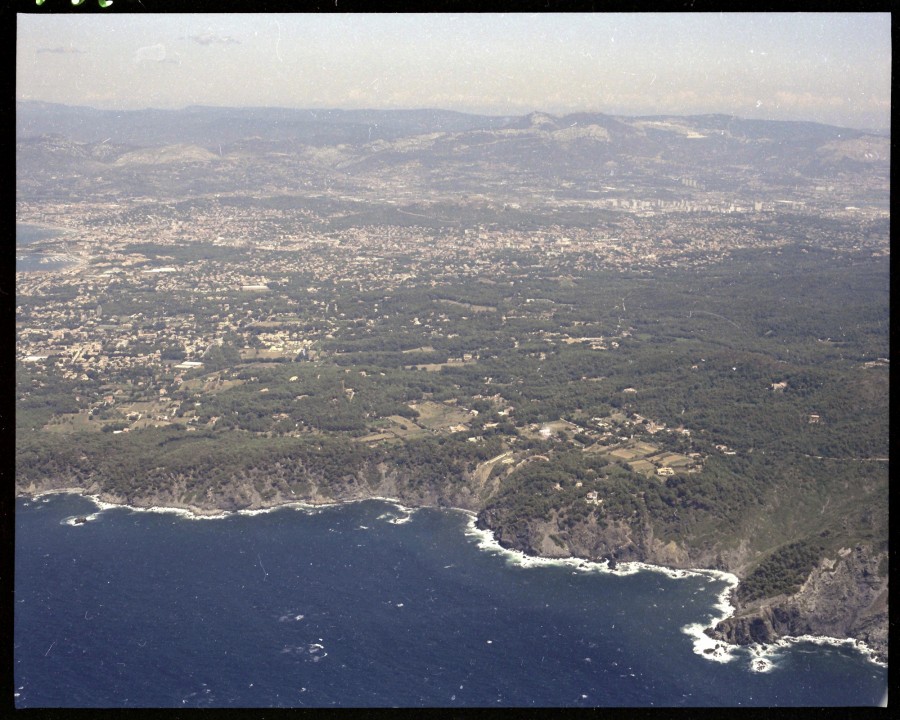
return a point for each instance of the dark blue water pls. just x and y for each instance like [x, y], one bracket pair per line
[341, 607]
[28, 261]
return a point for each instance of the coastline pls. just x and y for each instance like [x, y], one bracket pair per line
[73, 265]
[46, 226]
[761, 655]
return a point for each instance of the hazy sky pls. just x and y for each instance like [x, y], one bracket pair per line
[826, 67]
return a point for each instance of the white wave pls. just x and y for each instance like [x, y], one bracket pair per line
[723, 601]
[182, 512]
[311, 508]
[395, 519]
[628, 568]
[761, 665]
[189, 513]
[316, 652]
[71, 520]
[186, 513]
[485, 540]
[763, 656]
[857, 645]
[707, 647]
[193, 513]
[43, 494]
[391, 501]
[704, 645]
[107, 505]
[259, 511]
[760, 658]
[485, 537]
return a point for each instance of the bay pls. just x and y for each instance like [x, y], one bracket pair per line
[366, 605]
[27, 233]
[28, 261]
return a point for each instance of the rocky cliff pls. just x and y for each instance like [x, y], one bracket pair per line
[844, 597]
[277, 486]
[614, 539]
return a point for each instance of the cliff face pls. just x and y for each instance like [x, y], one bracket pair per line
[276, 487]
[615, 539]
[843, 598]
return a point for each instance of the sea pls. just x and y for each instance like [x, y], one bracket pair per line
[370, 604]
[27, 260]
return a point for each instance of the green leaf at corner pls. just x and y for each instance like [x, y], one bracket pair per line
[104, 3]
[38, 2]
[77, 2]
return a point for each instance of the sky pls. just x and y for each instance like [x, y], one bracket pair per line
[832, 68]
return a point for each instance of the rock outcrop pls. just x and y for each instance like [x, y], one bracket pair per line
[845, 597]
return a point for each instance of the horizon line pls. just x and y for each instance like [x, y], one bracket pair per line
[557, 114]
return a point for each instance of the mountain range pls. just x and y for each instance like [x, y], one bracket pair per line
[76, 150]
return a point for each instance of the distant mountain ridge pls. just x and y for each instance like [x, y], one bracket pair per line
[203, 125]
[206, 124]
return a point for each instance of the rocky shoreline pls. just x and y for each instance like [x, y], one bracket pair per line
[819, 611]
[843, 597]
